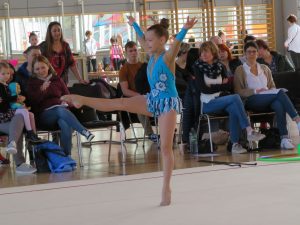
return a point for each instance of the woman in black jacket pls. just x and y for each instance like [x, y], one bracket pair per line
[275, 61]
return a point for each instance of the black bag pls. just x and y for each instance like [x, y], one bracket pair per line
[272, 139]
[40, 160]
[204, 146]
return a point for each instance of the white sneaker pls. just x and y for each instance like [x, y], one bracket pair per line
[25, 169]
[11, 148]
[255, 136]
[286, 144]
[237, 149]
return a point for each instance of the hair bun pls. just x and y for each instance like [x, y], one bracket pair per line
[165, 23]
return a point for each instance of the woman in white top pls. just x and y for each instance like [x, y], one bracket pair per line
[254, 83]
[90, 51]
[213, 82]
[293, 41]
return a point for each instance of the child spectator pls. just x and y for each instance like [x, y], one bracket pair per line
[33, 39]
[90, 51]
[7, 113]
[116, 53]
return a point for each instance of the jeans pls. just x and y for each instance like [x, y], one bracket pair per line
[66, 121]
[233, 105]
[296, 59]
[90, 61]
[280, 103]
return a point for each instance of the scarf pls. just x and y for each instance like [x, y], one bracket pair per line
[211, 71]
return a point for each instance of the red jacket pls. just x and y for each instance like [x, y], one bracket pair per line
[41, 100]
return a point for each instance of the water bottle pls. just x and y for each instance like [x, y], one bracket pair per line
[193, 141]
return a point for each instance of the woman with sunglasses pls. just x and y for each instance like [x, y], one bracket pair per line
[254, 83]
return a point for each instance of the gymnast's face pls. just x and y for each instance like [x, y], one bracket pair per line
[154, 42]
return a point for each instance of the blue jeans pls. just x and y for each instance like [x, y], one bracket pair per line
[66, 121]
[280, 103]
[233, 105]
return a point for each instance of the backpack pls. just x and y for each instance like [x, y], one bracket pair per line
[50, 157]
[272, 139]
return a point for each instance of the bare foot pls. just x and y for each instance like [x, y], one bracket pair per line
[166, 197]
[75, 100]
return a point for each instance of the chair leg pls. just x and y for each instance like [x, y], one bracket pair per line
[110, 140]
[209, 131]
[144, 125]
[123, 147]
[79, 149]
[132, 128]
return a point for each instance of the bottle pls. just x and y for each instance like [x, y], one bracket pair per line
[193, 141]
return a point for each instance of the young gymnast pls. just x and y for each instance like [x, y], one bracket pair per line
[162, 102]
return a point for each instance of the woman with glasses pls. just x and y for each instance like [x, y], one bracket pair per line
[59, 54]
[211, 77]
[254, 83]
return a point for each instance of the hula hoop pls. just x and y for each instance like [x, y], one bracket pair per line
[292, 159]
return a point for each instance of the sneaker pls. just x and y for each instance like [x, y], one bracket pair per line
[88, 135]
[153, 137]
[25, 169]
[32, 137]
[255, 136]
[237, 149]
[286, 144]
[11, 148]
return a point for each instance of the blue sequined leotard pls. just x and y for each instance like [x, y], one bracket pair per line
[163, 96]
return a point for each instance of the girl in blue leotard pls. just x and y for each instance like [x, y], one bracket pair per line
[162, 102]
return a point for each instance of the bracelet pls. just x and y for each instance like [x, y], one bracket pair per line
[138, 30]
[180, 36]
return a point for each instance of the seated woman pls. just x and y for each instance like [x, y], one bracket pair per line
[228, 61]
[251, 80]
[275, 61]
[213, 82]
[44, 91]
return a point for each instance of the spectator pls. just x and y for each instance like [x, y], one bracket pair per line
[215, 39]
[90, 51]
[25, 70]
[214, 87]
[33, 39]
[247, 39]
[252, 81]
[44, 91]
[293, 41]
[116, 53]
[7, 112]
[14, 130]
[228, 61]
[275, 61]
[59, 54]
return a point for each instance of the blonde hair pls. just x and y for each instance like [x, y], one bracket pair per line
[42, 59]
[210, 46]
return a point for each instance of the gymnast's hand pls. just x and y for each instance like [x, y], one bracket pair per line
[131, 20]
[75, 100]
[190, 23]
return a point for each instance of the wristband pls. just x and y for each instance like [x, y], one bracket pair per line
[180, 36]
[138, 30]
